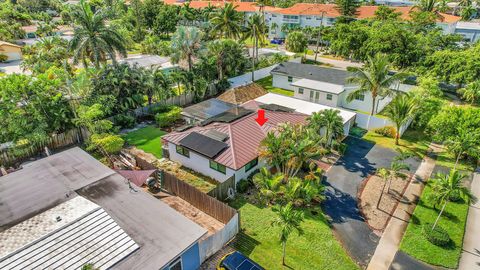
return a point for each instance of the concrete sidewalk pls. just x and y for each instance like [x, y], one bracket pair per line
[471, 241]
[390, 241]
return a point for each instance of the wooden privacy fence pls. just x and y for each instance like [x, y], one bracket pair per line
[220, 192]
[11, 156]
[200, 200]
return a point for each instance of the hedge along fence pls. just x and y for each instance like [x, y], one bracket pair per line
[12, 156]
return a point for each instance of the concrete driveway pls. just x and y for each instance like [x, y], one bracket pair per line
[343, 181]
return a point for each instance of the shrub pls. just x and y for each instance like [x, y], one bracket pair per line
[243, 185]
[437, 236]
[109, 143]
[159, 109]
[166, 119]
[3, 58]
[124, 121]
[387, 131]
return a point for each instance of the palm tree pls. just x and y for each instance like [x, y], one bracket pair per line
[186, 43]
[400, 111]
[374, 78]
[471, 93]
[226, 52]
[348, 8]
[395, 171]
[288, 220]
[267, 184]
[92, 38]
[330, 123]
[464, 142]
[255, 30]
[162, 83]
[385, 175]
[227, 22]
[427, 5]
[446, 187]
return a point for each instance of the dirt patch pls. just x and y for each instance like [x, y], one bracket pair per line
[377, 218]
[191, 212]
[201, 182]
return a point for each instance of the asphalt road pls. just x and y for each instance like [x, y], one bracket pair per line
[403, 261]
[343, 181]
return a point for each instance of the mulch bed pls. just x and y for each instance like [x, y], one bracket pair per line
[378, 218]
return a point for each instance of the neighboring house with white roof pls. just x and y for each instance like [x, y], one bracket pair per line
[226, 145]
[149, 61]
[68, 210]
[326, 86]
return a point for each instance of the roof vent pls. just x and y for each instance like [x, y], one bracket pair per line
[58, 218]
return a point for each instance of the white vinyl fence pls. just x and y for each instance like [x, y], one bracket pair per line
[370, 122]
[215, 242]
[259, 74]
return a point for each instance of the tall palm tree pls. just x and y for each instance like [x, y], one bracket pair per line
[255, 29]
[446, 187]
[162, 83]
[93, 38]
[330, 123]
[227, 22]
[385, 175]
[288, 220]
[225, 52]
[374, 78]
[401, 110]
[186, 43]
[464, 142]
[427, 5]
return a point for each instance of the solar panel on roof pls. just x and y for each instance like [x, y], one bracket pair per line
[216, 135]
[276, 108]
[203, 145]
[228, 116]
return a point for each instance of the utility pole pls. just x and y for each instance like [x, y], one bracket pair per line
[319, 36]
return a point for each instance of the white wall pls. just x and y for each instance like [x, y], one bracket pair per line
[247, 77]
[369, 122]
[11, 56]
[366, 104]
[213, 243]
[201, 165]
[281, 81]
[322, 97]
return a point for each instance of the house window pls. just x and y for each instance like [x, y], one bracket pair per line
[274, 16]
[300, 90]
[311, 94]
[218, 167]
[251, 164]
[317, 96]
[329, 96]
[290, 78]
[176, 265]
[308, 18]
[183, 151]
[360, 97]
[318, 18]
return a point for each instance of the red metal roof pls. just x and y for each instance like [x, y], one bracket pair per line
[244, 134]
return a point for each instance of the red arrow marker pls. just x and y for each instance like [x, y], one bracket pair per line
[261, 120]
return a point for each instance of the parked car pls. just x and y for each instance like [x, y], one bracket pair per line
[277, 41]
[236, 260]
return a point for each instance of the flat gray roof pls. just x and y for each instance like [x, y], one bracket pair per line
[160, 231]
[320, 86]
[207, 109]
[312, 72]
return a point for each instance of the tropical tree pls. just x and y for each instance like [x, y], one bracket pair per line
[347, 8]
[471, 92]
[162, 83]
[374, 78]
[427, 5]
[186, 43]
[329, 124]
[464, 142]
[445, 187]
[385, 175]
[288, 220]
[255, 30]
[268, 184]
[93, 39]
[227, 22]
[395, 170]
[296, 42]
[47, 52]
[290, 148]
[400, 111]
[229, 56]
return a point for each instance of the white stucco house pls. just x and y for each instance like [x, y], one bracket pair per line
[226, 145]
[326, 86]
[469, 30]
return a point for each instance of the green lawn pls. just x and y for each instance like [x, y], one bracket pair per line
[415, 244]
[317, 248]
[417, 142]
[147, 139]
[266, 83]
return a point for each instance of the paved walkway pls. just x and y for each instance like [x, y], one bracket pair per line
[470, 259]
[390, 240]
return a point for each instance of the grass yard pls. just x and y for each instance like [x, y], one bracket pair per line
[453, 221]
[147, 139]
[317, 248]
[266, 83]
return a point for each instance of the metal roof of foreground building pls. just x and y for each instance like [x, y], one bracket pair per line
[160, 232]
